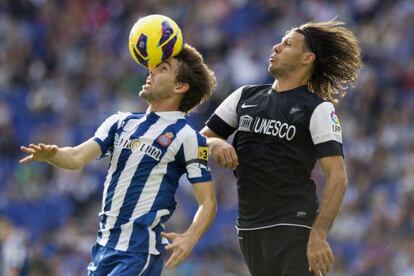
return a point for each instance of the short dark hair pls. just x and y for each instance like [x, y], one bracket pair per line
[338, 57]
[195, 72]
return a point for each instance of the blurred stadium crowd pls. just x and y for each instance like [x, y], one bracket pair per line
[65, 66]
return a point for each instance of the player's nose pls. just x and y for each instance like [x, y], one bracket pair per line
[276, 48]
[152, 72]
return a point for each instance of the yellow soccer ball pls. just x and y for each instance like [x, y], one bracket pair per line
[153, 39]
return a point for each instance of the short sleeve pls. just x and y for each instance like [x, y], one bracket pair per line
[195, 151]
[224, 120]
[326, 130]
[105, 134]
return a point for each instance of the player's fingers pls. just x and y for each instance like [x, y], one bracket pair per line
[234, 158]
[326, 260]
[173, 246]
[320, 267]
[26, 159]
[226, 159]
[313, 266]
[45, 147]
[27, 150]
[174, 260]
[331, 257]
[231, 158]
[221, 159]
[170, 236]
[35, 147]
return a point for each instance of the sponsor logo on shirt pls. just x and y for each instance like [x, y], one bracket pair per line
[294, 110]
[267, 126]
[136, 145]
[301, 214]
[244, 105]
[245, 122]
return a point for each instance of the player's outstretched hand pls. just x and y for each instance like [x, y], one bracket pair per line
[39, 152]
[181, 247]
[224, 154]
[319, 253]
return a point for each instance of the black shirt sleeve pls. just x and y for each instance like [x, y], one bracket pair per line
[219, 126]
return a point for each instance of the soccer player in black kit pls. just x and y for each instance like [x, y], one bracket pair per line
[281, 129]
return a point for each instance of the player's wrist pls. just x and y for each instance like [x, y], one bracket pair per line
[320, 233]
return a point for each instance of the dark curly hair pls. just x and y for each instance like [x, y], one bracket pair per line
[338, 58]
[194, 71]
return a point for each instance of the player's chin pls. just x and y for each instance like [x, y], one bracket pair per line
[271, 69]
[144, 93]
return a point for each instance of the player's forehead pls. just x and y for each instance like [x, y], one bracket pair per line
[293, 36]
[172, 63]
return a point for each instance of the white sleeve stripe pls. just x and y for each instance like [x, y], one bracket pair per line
[227, 109]
[324, 125]
[190, 149]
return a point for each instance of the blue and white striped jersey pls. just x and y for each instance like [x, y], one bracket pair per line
[148, 154]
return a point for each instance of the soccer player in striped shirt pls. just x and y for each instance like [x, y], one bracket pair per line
[148, 154]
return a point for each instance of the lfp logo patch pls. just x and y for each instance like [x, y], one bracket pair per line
[336, 126]
[165, 139]
[334, 118]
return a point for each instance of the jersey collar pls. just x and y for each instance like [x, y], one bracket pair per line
[170, 115]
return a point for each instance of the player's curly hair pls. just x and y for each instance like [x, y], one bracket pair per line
[194, 71]
[338, 58]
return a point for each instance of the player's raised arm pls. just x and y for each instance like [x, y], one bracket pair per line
[182, 244]
[220, 149]
[71, 158]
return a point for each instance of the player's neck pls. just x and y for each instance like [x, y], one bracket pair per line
[163, 106]
[285, 84]
[281, 86]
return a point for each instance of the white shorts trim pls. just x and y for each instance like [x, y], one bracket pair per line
[273, 225]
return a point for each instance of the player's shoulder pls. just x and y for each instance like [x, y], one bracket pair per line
[254, 90]
[313, 101]
[190, 132]
[121, 117]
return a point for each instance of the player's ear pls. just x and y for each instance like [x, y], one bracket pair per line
[308, 57]
[181, 87]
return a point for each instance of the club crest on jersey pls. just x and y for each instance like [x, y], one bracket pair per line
[165, 139]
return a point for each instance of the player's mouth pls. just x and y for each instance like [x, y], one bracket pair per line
[273, 59]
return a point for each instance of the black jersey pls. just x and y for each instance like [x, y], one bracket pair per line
[279, 136]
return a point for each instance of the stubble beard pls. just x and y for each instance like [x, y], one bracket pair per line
[276, 72]
[153, 96]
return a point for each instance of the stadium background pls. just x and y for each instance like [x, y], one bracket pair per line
[65, 66]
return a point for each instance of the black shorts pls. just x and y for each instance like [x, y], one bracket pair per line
[276, 251]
